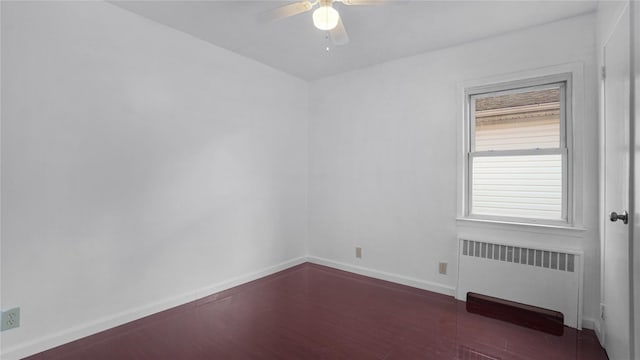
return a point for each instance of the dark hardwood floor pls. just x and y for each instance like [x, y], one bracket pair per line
[315, 312]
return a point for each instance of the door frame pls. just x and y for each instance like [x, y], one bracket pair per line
[634, 114]
[634, 181]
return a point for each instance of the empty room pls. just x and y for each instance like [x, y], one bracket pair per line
[322, 179]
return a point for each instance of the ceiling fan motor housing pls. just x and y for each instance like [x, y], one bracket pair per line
[325, 2]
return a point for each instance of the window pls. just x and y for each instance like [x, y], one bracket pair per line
[517, 155]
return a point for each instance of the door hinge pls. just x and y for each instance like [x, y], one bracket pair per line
[602, 311]
[604, 72]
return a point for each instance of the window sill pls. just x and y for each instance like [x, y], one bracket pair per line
[519, 226]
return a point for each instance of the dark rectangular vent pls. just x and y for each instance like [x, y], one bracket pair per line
[533, 317]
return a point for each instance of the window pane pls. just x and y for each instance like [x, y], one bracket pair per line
[527, 186]
[528, 120]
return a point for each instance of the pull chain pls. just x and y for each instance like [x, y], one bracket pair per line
[327, 47]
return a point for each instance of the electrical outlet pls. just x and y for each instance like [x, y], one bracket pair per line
[10, 319]
[358, 252]
[442, 268]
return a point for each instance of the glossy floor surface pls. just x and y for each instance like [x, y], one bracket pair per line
[315, 312]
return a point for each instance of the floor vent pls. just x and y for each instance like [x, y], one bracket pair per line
[533, 317]
[545, 278]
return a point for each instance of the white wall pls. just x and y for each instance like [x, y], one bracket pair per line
[384, 158]
[141, 168]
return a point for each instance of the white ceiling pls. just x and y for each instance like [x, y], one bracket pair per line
[378, 33]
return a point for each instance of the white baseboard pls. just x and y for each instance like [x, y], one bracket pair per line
[400, 279]
[588, 323]
[52, 340]
[593, 324]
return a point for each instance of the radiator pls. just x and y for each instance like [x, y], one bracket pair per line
[548, 278]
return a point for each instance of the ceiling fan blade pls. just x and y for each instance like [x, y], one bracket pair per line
[365, 2]
[286, 11]
[339, 34]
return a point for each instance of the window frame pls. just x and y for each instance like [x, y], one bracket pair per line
[563, 81]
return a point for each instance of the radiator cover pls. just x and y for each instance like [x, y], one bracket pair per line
[547, 278]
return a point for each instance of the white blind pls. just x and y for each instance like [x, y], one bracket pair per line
[518, 186]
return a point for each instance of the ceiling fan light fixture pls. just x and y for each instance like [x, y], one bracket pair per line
[326, 17]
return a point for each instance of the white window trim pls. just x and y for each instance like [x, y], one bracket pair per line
[515, 85]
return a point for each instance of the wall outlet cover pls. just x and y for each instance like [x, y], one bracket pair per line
[358, 252]
[10, 319]
[442, 268]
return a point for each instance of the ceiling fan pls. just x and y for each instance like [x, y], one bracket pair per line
[325, 16]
